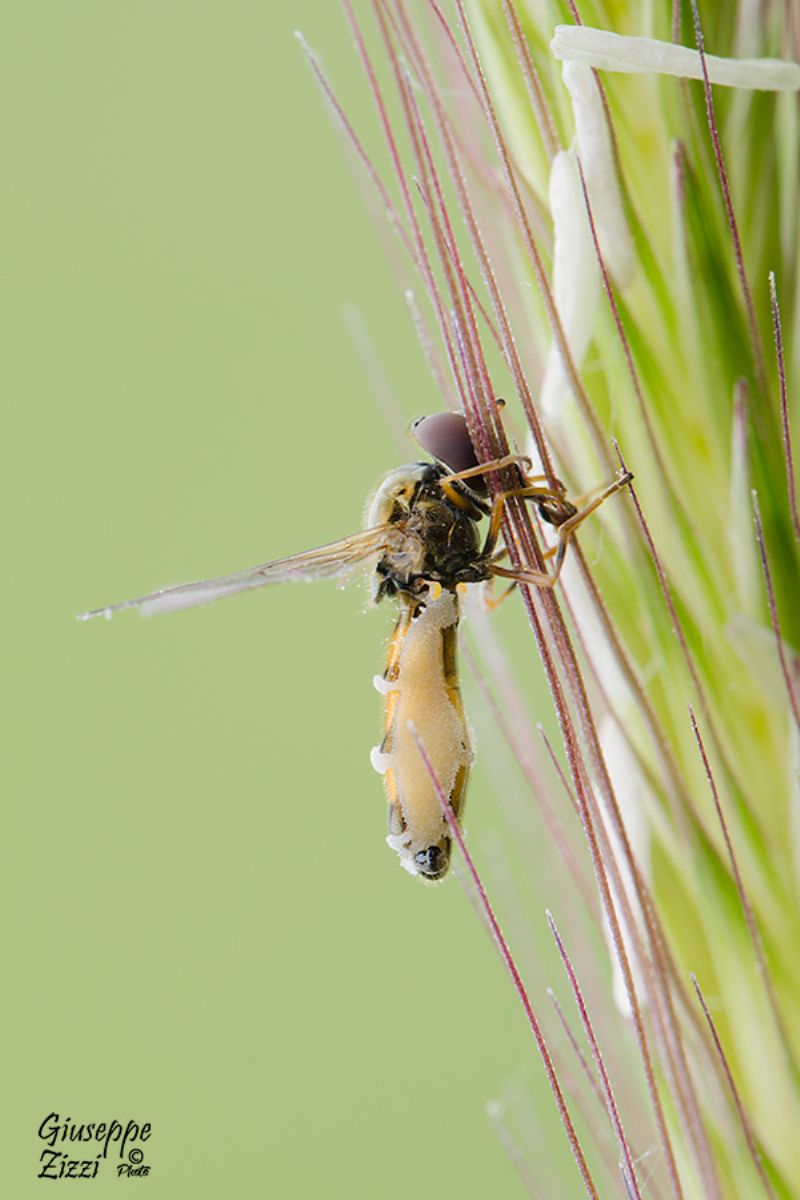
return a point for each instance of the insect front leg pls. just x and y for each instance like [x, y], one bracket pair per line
[447, 482]
[496, 464]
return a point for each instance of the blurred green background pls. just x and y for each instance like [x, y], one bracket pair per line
[203, 926]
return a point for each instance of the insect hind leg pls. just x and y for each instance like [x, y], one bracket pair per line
[530, 492]
[565, 530]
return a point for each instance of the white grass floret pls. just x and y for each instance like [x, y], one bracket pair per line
[640, 55]
[599, 169]
[630, 791]
[576, 277]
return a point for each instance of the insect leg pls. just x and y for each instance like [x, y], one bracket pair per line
[498, 510]
[565, 531]
[572, 523]
[533, 578]
[497, 464]
[585, 498]
[490, 602]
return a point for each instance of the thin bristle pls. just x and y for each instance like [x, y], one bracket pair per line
[535, 258]
[661, 602]
[511, 968]
[677, 625]
[544, 118]
[785, 426]
[744, 900]
[627, 1165]
[719, 158]
[791, 692]
[740, 1109]
[513, 1152]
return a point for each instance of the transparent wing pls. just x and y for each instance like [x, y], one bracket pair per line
[325, 562]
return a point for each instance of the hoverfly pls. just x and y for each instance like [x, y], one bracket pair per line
[423, 543]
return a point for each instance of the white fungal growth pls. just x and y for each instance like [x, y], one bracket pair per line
[385, 686]
[639, 55]
[401, 844]
[380, 761]
[427, 700]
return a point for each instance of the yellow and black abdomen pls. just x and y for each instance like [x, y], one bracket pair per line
[422, 691]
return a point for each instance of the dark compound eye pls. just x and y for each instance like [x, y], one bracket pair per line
[445, 437]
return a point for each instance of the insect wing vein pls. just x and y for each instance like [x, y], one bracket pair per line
[324, 562]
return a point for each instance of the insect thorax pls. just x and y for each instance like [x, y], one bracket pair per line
[444, 529]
